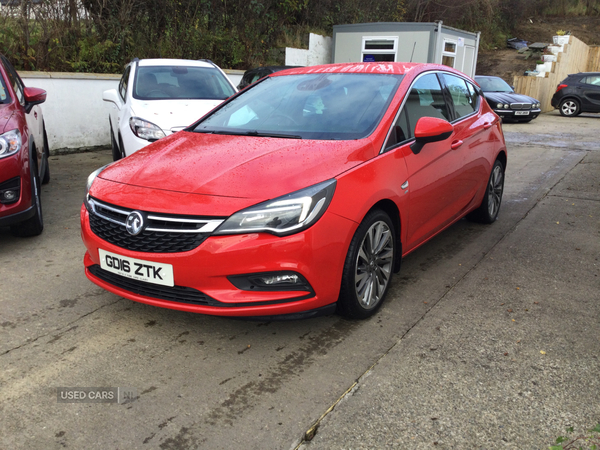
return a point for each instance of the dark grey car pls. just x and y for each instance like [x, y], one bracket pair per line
[579, 92]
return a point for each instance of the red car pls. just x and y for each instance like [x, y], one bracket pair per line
[23, 153]
[299, 195]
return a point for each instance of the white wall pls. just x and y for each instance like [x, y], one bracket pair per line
[74, 112]
[319, 52]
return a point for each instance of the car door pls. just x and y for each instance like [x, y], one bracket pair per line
[118, 110]
[470, 140]
[590, 87]
[433, 182]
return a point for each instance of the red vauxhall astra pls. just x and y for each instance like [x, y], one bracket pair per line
[298, 196]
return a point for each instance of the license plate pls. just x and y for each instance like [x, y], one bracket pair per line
[137, 269]
[521, 113]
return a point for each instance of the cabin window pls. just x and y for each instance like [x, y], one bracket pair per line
[379, 49]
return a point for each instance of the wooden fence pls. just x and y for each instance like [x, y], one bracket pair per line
[576, 57]
[594, 59]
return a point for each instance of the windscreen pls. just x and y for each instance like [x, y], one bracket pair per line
[308, 106]
[180, 82]
[493, 84]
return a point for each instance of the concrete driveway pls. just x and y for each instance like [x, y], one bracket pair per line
[488, 339]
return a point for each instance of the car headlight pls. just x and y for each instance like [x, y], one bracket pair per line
[499, 106]
[145, 130]
[284, 215]
[506, 106]
[88, 184]
[10, 143]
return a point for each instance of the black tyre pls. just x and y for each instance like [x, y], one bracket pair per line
[116, 152]
[34, 225]
[46, 175]
[569, 107]
[490, 206]
[369, 266]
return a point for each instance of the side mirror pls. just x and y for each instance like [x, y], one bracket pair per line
[430, 129]
[33, 96]
[111, 96]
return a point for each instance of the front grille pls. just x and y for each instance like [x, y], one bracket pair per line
[162, 233]
[179, 294]
[520, 105]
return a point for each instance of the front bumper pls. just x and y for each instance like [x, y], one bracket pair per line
[21, 209]
[523, 114]
[317, 254]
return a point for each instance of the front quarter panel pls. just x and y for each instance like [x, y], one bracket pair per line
[359, 189]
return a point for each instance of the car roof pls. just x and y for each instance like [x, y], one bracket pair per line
[393, 68]
[174, 62]
[583, 74]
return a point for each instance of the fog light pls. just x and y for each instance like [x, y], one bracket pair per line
[280, 279]
[10, 190]
[9, 196]
[271, 281]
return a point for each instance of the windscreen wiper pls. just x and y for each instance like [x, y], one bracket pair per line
[251, 133]
[274, 135]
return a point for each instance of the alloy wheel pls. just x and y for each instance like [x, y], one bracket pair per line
[374, 265]
[495, 190]
[569, 108]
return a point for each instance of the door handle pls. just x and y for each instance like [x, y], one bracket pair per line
[487, 125]
[456, 144]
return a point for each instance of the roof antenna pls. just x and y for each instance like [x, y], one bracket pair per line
[413, 52]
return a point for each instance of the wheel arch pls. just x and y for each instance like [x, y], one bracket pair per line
[502, 158]
[391, 209]
[570, 97]
[33, 155]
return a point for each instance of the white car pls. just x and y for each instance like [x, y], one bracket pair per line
[158, 97]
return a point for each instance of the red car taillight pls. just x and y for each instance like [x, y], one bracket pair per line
[560, 86]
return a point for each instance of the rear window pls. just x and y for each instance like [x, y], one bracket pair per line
[171, 83]
[308, 106]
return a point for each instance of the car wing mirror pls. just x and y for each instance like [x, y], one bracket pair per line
[430, 129]
[111, 96]
[33, 96]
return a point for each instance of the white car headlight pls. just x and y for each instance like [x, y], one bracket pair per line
[284, 215]
[10, 143]
[145, 130]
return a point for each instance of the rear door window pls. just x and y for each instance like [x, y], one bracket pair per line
[593, 80]
[462, 98]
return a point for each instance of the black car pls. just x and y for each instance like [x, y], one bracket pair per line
[506, 102]
[578, 93]
[253, 75]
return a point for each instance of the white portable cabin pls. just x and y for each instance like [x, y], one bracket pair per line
[406, 42]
